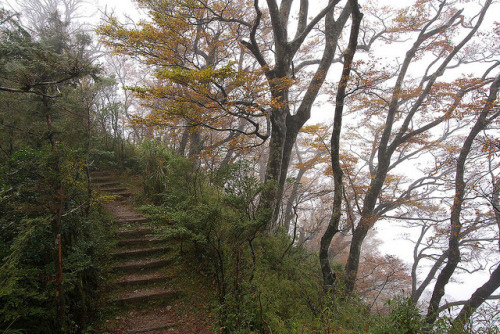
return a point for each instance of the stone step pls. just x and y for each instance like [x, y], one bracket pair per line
[123, 194]
[122, 199]
[141, 279]
[139, 232]
[146, 295]
[132, 219]
[119, 196]
[114, 190]
[108, 184]
[140, 252]
[102, 179]
[100, 173]
[145, 241]
[136, 266]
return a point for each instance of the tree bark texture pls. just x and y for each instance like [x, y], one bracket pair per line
[285, 126]
[333, 225]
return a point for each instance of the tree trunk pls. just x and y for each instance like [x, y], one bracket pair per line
[477, 298]
[333, 225]
[183, 143]
[57, 223]
[270, 197]
[455, 222]
[366, 222]
[227, 158]
[195, 144]
[294, 123]
[285, 126]
[287, 215]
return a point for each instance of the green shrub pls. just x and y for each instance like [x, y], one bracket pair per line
[27, 233]
[263, 283]
[404, 318]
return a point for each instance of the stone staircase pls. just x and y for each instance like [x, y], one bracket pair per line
[139, 284]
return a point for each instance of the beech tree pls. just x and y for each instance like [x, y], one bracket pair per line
[478, 242]
[200, 81]
[260, 85]
[37, 12]
[403, 113]
[286, 125]
[333, 224]
[490, 111]
[411, 120]
[127, 73]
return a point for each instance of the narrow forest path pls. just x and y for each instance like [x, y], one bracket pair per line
[141, 296]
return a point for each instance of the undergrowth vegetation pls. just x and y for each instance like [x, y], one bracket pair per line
[27, 229]
[264, 283]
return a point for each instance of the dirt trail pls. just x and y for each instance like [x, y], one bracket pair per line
[141, 297]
